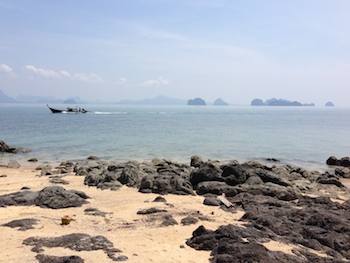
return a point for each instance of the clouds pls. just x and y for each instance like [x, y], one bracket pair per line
[62, 74]
[7, 70]
[155, 82]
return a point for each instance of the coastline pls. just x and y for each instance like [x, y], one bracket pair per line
[138, 237]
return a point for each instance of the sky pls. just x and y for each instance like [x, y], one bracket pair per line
[111, 50]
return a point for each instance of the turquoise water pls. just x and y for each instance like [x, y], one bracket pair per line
[303, 136]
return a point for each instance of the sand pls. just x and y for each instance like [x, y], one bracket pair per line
[140, 239]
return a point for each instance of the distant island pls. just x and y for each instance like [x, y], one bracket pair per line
[278, 102]
[5, 99]
[196, 101]
[220, 102]
[329, 104]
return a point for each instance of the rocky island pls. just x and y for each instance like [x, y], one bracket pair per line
[278, 102]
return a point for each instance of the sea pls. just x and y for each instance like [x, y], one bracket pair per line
[299, 136]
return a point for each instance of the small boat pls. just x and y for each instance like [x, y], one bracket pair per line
[68, 110]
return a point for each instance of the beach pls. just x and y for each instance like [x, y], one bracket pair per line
[115, 215]
[140, 240]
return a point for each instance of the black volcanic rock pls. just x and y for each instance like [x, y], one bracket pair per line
[196, 101]
[220, 102]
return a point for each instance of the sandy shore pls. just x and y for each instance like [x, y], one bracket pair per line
[139, 237]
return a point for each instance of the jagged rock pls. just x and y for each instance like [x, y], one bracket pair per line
[207, 172]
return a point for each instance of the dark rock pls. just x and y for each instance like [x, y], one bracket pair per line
[152, 210]
[160, 199]
[196, 161]
[343, 172]
[216, 188]
[189, 220]
[212, 201]
[327, 178]
[24, 198]
[5, 148]
[58, 180]
[92, 157]
[3, 175]
[332, 160]
[168, 220]
[94, 212]
[131, 175]
[207, 172]
[53, 259]
[57, 197]
[344, 161]
[77, 242]
[33, 160]
[166, 184]
[22, 224]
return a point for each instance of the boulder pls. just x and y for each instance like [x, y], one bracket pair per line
[166, 184]
[207, 172]
[57, 197]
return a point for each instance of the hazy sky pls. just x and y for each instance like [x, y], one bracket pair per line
[135, 49]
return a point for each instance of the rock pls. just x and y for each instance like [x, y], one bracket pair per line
[168, 220]
[216, 188]
[152, 210]
[92, 157]
[343, 172]
[33, 160]
[211, 201]
[76, 241]
[54, 259]
[13, 164]
[345, 161]
[160, 199]
[5, 148]
[22, 224]
[196, 161]
[3, 175]
[189, 220]
[166, 184]
[57, 197]
[131, 176]
[332, 160]
[207, 172]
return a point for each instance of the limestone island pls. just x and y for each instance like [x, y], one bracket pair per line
[278, 102]
[196, 101]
